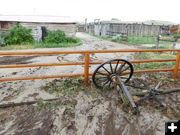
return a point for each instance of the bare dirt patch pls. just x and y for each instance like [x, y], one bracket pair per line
[26, 120]
[5, 60]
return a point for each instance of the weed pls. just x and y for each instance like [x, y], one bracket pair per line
[20, 38]
[58, 39]
[19, 35]
[40, 105]
[49, 105]
[52, 104]
[176, 35]
[54, 45]
[69, 103]
[154, 65]
[66, 86]
[52, 89]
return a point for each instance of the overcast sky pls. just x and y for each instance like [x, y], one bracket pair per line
[125, 10]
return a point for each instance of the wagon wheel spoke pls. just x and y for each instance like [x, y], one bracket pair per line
[105, 83]
[116, 66]
[124, 77]
[106, 70]
[111, 68]
[125, 69]
[102, 80]
[120, 68]
[102, 73]
[110, 84]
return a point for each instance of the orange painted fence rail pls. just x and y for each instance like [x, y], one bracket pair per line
[86, 62]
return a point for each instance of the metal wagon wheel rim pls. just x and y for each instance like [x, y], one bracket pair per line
[102, 76]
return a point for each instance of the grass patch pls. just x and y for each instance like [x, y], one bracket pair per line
[51, 45]
[15, 47]
[141, 40]
[39, 45]
[130, 39]
[135, 40]
[154, 55]
[65, 86]
[48, 105]
[20, 38]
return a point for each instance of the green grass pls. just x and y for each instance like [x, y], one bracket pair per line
[15, 47]
[48, 105]
[65, 86]
[176, 35]
[155, 65]
[130, 39]
[141, 40]
[135, 40]
[48, 45]
[155, 55]
[39, 45]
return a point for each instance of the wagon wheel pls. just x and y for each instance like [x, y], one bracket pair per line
[102, 76]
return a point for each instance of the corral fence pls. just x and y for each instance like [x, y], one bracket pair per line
[135, 29]
[87, 62]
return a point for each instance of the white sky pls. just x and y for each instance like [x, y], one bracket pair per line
[125, 10]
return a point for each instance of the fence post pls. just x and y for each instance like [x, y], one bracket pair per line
[86, 68]
[176, 67]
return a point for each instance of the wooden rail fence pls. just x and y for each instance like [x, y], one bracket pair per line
[86, 62]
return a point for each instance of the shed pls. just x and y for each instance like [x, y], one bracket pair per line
[38, 23]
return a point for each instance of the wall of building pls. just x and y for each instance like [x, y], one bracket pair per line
[175, 29]
[5, 30]
[69, 29]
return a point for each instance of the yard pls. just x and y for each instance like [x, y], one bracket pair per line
[79, 109]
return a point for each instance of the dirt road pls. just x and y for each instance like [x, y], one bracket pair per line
[88, 113]
[89, 43]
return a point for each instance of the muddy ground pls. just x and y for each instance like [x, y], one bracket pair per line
[81, 110]
[86, 110]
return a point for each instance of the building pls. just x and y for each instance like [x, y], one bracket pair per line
[118, 27]
[175, 29]
[38, 24]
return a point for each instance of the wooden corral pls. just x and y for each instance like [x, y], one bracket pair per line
[136, 29]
